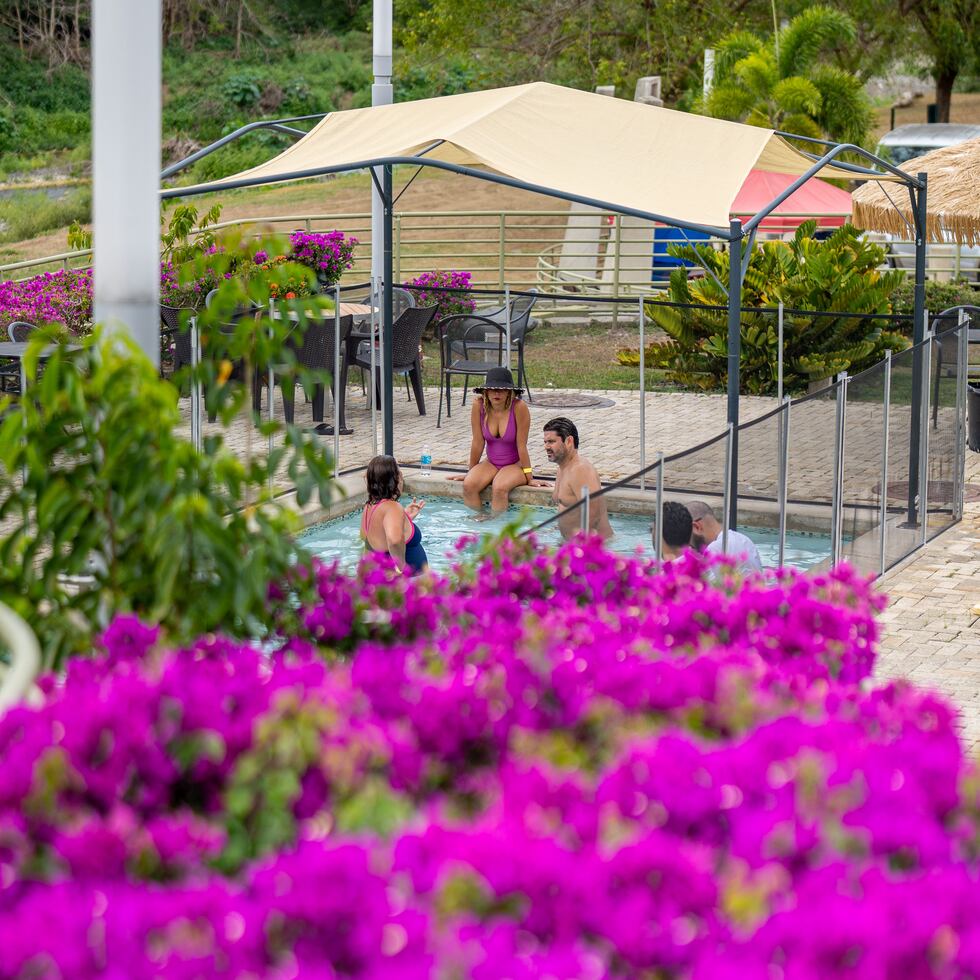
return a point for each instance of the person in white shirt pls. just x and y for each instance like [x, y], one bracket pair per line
[706, 536]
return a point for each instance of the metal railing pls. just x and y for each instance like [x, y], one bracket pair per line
[560, 250]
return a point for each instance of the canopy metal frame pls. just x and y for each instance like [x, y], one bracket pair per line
[739, 235]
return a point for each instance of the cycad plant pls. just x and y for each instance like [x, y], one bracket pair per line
[790, 82]
[837, 279]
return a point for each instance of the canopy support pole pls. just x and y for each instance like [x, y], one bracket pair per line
[734, 358]
[386, 313]
[919, 212]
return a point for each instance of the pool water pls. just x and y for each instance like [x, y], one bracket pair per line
[444, 520]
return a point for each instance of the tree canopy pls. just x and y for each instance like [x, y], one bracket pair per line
[790, 80]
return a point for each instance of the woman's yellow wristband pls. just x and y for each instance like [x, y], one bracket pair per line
[527, 469]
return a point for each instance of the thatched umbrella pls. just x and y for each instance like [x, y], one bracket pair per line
[953, 197]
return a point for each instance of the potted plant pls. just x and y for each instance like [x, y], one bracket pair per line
[329, 254]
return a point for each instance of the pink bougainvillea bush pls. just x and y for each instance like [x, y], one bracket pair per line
[329, 254]
[54, 297]
[429, 289]
[568, 765]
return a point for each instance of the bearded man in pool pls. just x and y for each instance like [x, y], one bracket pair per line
[574, 473]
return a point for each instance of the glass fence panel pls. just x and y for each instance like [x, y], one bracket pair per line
[864, 461]
[902, 536]
[696, 475]
[943, 428]
[760, 449]
[810, 469]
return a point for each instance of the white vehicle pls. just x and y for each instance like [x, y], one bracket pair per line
[906, 142]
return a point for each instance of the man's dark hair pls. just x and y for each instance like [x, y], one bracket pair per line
[382, 479]
[563, 428]
[677, 524]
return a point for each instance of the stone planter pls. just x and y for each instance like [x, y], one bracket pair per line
[821, 384]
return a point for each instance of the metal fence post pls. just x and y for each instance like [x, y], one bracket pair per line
[196, 440]
[962, 367]
[783, 477]
[837, 499]
[617, 252]
[336, 381]
[397, 274]
[883, 535]
[779, 353]
[272, 388]
[658, 537]
[643, 400]
[924, 441]
[585, 509]
[507, 322]
[502, 232]
[726, 497]
[375, 302]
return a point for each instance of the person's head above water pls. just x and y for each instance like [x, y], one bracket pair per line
[705, 525]
[676, 532]
[560, 439]
[499, 390]
[384, 479]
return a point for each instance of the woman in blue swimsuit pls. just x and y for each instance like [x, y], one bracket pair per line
[386, 526]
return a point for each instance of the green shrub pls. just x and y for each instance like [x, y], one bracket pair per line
[36, 130]
[95, 481]
[839, 275]
[939, 296]
[29, 83]
[28, 214]
[243, 89]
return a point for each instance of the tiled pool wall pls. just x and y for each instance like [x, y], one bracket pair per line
[801, 518]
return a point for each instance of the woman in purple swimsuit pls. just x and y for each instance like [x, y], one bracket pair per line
[500, 422]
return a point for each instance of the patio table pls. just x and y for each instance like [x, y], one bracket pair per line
[13, 350]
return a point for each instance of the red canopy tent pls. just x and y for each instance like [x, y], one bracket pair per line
[829, 205]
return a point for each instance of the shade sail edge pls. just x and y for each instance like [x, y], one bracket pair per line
[628, 156]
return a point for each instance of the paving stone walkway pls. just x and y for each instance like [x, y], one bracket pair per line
[932, 624]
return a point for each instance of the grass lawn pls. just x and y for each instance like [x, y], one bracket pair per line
[562, 355]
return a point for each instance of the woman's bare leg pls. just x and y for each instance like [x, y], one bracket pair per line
[506, 479]
[478, 479]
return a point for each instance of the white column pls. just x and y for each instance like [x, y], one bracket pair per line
[709, 72]
[126, 87]
[381, 94]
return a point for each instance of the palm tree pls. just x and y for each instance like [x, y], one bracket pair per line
[789, 82]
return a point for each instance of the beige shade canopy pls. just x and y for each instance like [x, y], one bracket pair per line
[624, 155]
[953, 197]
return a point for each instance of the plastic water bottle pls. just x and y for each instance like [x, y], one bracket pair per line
[425, 467]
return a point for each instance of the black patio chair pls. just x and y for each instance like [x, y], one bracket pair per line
[177, 332]
[19, 332]
[401, 300]
[461, 335]
[406, 359]
[313, 348]
[521, 325]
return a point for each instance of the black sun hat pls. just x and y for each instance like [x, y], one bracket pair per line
[499, 379]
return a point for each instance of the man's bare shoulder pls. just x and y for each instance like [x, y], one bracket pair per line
[585, 470]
